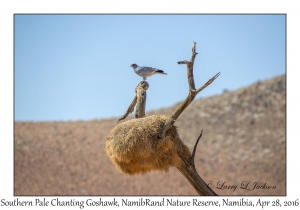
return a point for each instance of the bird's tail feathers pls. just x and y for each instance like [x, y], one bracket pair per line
[161, 72]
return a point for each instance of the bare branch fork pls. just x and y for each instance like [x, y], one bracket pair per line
[139, 100]
[188, 170]
[192, 91]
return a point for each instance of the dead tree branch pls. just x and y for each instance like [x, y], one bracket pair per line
[195, 148]
[139, 100]
[187, 168]
[129, 110]
[192, 91]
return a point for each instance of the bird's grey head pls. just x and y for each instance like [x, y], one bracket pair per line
[133, 65]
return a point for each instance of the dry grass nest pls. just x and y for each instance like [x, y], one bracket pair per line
[134, 146]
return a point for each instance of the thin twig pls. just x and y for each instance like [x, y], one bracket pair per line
[207, 83]
[194, 150]
[129, 110]
[183, 62]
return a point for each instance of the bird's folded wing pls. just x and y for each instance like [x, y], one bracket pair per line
[145, 70]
